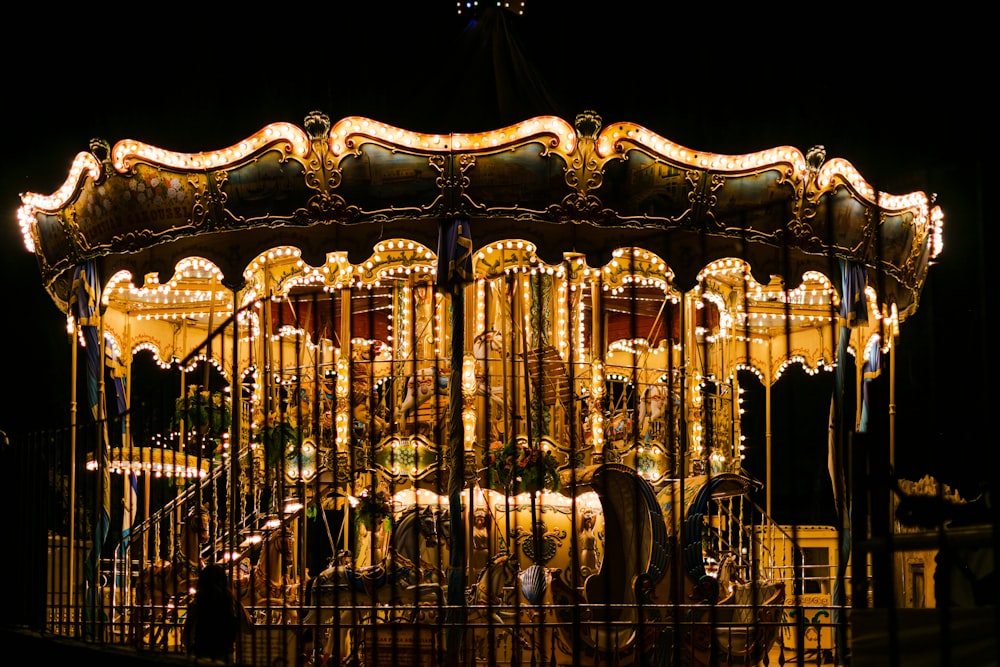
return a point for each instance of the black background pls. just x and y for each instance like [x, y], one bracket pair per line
[903, 98]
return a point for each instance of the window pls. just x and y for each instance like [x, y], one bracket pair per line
[916, 585]
[816, 570]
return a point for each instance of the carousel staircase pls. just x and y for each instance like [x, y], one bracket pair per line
[548, 373]
[731, 530]
[233, 533]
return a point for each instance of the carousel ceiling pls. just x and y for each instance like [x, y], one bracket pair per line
[585, 190]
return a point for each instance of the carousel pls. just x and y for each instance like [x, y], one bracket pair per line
[460, 398]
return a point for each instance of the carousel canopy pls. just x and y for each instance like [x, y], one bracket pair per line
[583, 188]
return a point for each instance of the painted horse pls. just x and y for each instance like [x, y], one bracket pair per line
[490, 602]
[409, 574]
[166, 585]
[653, 407]
[431, 380]
[266, 588]
[493, 590]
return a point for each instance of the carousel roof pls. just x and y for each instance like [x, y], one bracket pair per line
[584, 188]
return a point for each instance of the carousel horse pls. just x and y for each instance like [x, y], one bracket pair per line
[652, 406]
[482, 346]
[620, 426]
[266, 587]
[732, 620]
[490, 602]
[493, 591]
[727, 573]
[428, 381]
[403, 576]
[166, 585]
[423, 534]
[738, 629]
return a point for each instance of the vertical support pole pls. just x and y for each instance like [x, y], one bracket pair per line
[72, 459]
[237, 508]
[596, 416]
[342, 406]
[857, 463]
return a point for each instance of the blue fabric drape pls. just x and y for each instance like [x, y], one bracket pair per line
[853, 301]
[84, 304]
[454, 261]
[871, 370]
[454, 269]
[853, 313]
[130, 492]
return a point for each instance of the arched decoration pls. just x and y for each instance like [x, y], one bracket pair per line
[537, 176]
[144, 343]
[171, 316]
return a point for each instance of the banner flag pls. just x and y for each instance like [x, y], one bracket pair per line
[84, 305]
[853, 313]
[454, 253]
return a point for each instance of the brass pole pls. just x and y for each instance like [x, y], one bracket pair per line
[768, 381]
[72, 467]
[339, 407]
[892, 398]
[596, 354]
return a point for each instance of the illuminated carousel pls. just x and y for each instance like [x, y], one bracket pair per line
[493, 376]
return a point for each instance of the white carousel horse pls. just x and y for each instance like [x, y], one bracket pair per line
[165, 586]
[738, 629]
[733, 620]
[423, 534]
[404, 576]
[428, 381]
[652, 406]
[490, 602]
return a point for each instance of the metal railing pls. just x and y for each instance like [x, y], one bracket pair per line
[67, 599]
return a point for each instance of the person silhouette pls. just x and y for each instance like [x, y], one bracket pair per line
[214, 617]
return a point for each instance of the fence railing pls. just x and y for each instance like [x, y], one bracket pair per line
[65, 592]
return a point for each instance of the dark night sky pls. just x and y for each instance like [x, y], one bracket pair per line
[901, 101]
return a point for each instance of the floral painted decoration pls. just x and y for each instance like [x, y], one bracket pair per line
[515, 467]
[373, 508]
